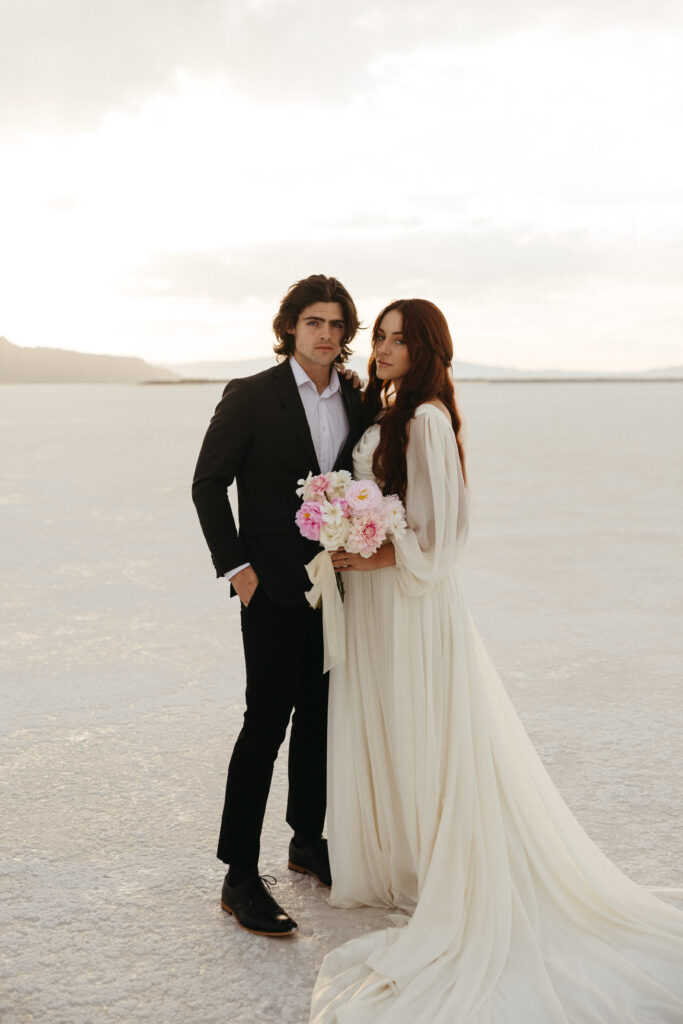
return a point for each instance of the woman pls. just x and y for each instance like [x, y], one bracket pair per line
[438, 803]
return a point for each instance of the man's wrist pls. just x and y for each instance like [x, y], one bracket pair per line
[233, 572]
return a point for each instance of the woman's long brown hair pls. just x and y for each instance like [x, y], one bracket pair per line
[430, 349]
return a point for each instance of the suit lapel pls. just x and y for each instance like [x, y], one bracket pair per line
[285, 385]
[352, 403]
[354, 411]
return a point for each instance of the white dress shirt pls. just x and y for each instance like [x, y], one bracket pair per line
[326, 415]
[327, 421]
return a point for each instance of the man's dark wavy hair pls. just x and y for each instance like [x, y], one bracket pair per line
[316, 288]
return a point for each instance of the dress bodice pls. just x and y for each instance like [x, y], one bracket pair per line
[363, 453]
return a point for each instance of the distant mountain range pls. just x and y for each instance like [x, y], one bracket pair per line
[63, 366]
[217, 370]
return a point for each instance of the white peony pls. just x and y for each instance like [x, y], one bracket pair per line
[394, 515]
[339, 481]
[334, 529]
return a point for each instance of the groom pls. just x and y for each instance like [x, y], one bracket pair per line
[268, 432]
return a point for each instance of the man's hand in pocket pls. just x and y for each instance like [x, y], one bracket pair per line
[245, 583]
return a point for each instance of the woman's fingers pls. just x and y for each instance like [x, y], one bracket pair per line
[343, 560]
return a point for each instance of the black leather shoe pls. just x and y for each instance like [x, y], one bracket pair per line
[254, 908]
[312, 860]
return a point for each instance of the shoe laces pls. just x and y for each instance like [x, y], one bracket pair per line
[262, 894]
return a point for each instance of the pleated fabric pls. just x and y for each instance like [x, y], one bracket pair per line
[439, 806]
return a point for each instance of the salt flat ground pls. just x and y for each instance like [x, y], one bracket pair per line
[121, 681]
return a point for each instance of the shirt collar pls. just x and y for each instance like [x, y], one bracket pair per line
[302, 378]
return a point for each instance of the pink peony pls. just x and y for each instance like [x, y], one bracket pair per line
[343, 504]
[309, 520]
[317, 485]
[363, 496]
[367, 534]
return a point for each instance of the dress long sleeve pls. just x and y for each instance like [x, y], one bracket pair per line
[436, 504]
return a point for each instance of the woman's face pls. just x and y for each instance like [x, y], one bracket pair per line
[391, 351]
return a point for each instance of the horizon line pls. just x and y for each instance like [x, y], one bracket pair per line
[164, 363]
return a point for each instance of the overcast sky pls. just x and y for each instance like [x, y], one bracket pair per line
[169, 167]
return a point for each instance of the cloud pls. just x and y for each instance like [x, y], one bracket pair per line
[518, 161]
[572, 298]
[63, 66]
[61, 204]
[451, 263]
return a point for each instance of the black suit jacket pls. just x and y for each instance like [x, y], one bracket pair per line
[259, 435]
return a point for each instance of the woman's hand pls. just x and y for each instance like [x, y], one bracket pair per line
[353, 377]
[344, 561]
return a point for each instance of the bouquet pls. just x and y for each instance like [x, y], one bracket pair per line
[340, 512]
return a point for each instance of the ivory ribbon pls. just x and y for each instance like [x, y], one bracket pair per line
[321, 574]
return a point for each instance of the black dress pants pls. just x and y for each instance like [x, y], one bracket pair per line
[283, 651]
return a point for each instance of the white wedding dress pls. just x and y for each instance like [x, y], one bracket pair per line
[439, 805]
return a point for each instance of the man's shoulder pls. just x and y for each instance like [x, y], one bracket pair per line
[354, 394]
[255, 381]
[271, 372]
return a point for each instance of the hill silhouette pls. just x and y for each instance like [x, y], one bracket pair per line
[63, 366]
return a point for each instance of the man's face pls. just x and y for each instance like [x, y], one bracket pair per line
[318, 334]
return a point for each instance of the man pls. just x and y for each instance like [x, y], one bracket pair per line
[268, 432]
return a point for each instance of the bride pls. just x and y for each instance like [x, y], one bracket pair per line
[439, 805]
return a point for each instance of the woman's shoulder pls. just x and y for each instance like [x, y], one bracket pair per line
[435, 409]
